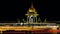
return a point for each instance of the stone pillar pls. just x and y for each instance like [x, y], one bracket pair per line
[34, 19]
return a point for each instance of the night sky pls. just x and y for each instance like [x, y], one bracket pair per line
[11, 10]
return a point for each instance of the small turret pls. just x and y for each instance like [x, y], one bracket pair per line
[23, 20]
[45, 20]
[18, 21]
[39, 20]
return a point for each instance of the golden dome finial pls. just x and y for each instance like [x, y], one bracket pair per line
[31, 5]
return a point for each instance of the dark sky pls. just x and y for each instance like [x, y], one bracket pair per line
[11, 10]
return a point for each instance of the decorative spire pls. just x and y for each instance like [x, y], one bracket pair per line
[31, 5]
[39, 20]
[45, 20]
[23, 20]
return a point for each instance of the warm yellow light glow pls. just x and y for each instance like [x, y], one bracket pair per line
[30, 10]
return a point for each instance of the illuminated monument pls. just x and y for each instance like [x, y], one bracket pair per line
[31, 15]
[31, 20]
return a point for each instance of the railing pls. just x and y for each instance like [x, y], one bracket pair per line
[28, 24]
